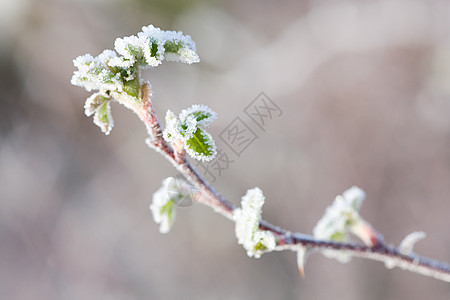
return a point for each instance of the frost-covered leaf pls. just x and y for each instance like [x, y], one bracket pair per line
[95, 74]
[138, 49]
[170, 45]
[103, 118]
[201, 145]
[93, 103]
[152, 45]
[171, 132]
[202, 114]
[247, 220]
[185, 128]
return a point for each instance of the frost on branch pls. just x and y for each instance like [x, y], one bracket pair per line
[341, 219]
[407, 245]
[186, 128]
[117, 75]
[247, 219]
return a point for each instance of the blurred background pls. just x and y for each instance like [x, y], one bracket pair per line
[364, 87]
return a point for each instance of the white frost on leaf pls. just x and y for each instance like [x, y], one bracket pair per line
[407, 245]
[201, 113]
[247, 220]
[186, 129]
[170, 45]
[103, 118]
[94, 74]
[116, 74]
[339, 219]
[171, 132]
[152, 45]
[201, 146]
[93, 103]
[163, 208]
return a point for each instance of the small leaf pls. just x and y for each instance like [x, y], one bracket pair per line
[93, 103]
[201, 146]
[171, 132]
[103, 118]
[201, 113]
[131, 87]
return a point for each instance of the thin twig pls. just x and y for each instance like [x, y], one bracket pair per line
[286, 240]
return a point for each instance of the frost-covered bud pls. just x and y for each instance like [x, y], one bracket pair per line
[174, 191]
[354, 196]
[342, 218]
[162, 207]
[247, 220]
[185, 128]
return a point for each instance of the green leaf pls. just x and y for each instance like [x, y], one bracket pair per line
[93, 103]
[202, 114]
[132, 87]
[172, 46]
[201, 146]
[260, 247]
[204, 118]
[338, 237]
[103, 118]
[154, 49]
[168, 210]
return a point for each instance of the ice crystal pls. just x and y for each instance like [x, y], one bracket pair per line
[339, 219]
[247, 220]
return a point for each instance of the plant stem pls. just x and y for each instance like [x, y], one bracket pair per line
[286, 240]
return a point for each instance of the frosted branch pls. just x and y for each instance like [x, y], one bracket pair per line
[116, 76]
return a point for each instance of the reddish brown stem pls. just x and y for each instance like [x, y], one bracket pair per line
[285, 239]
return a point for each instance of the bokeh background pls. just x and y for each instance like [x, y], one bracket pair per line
[365, 91]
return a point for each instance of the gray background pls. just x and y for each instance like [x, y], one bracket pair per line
[364, 87]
